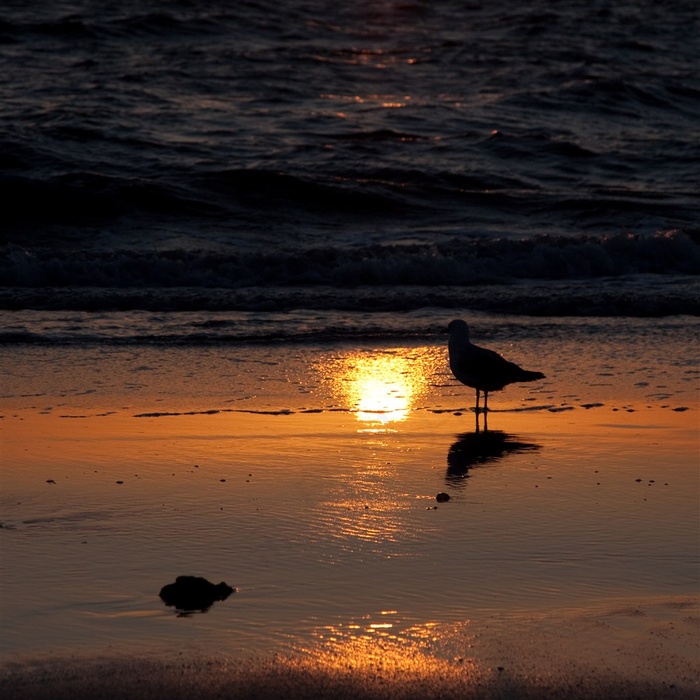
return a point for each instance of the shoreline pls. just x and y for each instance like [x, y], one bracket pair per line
[634, 649]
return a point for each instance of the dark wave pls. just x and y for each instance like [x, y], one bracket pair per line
[456, 262]
[222, 201]
[651, 298]
[273, 190]
[320, 315]
[156, 154]
[85, 199]
[620, 276]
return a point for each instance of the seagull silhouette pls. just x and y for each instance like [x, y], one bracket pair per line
[479, 368]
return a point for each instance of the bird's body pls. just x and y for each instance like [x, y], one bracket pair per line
[482, 369]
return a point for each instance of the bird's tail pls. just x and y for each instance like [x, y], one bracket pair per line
[527, 376]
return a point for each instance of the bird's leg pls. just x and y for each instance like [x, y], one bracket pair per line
[486, 400]
[476, 410]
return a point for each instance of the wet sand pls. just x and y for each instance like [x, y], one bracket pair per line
[648, 650]
[565, 563]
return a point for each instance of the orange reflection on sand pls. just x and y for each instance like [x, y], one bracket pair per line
[381, 386]
[374, 653]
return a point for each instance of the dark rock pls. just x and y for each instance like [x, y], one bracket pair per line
[190, 593]
[442, 497]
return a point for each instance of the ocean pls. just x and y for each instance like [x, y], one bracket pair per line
[349, 160]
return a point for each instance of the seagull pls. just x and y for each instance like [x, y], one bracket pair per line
[479, 368]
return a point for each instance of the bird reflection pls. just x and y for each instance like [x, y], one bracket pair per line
[479, 448]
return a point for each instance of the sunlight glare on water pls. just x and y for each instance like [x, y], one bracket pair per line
[381, 386]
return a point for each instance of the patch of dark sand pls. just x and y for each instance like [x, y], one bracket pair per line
[279, 677]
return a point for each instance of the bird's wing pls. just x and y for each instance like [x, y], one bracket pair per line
[484, 360]
[486, 368]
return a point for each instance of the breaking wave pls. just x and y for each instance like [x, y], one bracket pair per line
[455, 263]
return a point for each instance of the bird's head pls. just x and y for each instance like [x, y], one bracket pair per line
[458, 327]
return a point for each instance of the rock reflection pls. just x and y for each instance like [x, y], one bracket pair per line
[480, 448]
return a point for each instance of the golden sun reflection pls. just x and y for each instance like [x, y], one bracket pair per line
[367, 507]
[375, 657]
[380, 386]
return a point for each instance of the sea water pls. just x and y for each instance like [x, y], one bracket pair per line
[519, 158]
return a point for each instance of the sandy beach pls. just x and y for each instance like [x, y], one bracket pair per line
[564, 563]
